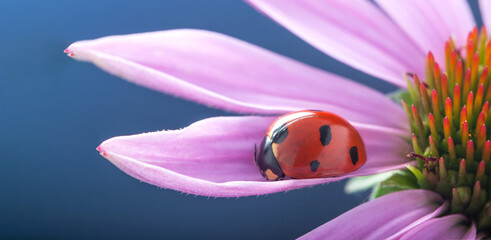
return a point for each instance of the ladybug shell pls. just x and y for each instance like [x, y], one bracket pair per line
[315, 144]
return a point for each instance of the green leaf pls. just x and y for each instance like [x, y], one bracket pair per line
[420, 178]
[358, 184]
[401, 180]
[399, 95]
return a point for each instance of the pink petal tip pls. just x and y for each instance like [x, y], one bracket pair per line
[69, 52]
[99, 149]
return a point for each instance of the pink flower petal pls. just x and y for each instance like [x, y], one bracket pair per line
[471, 233]
[214, 157]
[431, 23]
[224, 72]
[354, 32]
[448, 227]
[431, 215]
[380, 218]
[485, 6]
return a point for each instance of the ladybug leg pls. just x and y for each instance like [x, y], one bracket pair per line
[279, 178]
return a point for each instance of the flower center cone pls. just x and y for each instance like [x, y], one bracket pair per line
[449, 114]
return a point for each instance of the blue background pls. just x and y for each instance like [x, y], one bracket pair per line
[55, 111]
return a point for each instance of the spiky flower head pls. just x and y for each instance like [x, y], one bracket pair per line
[450, 121]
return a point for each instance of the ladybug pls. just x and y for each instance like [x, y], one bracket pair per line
[309, 144]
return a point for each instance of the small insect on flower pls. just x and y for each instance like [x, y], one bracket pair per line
[309, 144]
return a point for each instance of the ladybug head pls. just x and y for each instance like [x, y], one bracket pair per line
[266, 161]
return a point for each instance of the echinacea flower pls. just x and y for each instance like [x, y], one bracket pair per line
[445, 192]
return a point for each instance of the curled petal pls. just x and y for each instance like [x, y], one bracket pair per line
[224, 72]
[214, 157]
[485, 6]
[383, 217]
[471, 233]
[431, 23]
[423, 219]
[354, 32]
[448, 227]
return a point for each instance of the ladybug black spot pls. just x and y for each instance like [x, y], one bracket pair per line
[326, 135]
[353, 153]
[280, 135]
[314, 165]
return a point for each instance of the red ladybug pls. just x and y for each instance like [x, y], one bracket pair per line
[310, 144]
